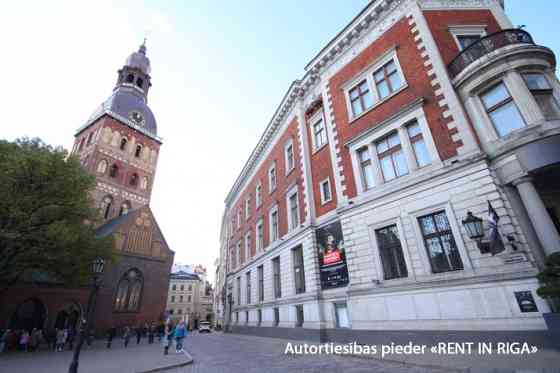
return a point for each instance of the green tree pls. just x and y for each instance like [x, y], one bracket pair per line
[46, 215]
[550, 277]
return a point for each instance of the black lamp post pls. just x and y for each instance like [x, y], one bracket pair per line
[475, 230]
[97, 268]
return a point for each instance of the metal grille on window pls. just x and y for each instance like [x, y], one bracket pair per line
[440, 244]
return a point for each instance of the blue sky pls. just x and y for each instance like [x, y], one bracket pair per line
[219, 70]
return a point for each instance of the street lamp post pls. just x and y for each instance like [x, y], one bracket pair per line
[97, 268]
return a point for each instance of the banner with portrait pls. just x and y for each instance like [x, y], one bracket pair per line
[332, 256]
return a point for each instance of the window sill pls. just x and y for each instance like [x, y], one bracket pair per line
[353, 118]
[317, 150]
[325, 202]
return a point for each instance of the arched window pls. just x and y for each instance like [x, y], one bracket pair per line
[144, 183]
[129, 78]
[125, 207]
[134, 179]
[129, 291]
[139, 82]
[106, 206]
[90, 136]
[114, 171]
[123, 143]
[138, 151]
[102, 166]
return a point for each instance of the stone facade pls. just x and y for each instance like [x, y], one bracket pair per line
[392, 134]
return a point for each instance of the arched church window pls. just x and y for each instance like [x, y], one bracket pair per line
[129, 291]
[134, 179]
[125, 207]
[114, 171]
[138, 151]
[102, 166]
[123, 143]
[139, 82]
[144, 183]
[106, 206]
[130, 78]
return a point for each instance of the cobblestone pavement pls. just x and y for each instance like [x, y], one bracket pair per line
[233, 353]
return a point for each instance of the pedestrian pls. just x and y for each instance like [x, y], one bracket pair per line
[179, 334]
[110, 335]
[139, 332]
[33, 341]
[126, 336]
[160, 330]
[89, 337]
[4, 340]
[60, 340]
[71, 333]
[24, 341]
[168, 336]
[151, 333]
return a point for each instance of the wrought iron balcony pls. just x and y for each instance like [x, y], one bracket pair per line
[486, 45]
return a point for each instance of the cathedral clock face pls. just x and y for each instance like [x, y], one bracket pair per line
[137, 117]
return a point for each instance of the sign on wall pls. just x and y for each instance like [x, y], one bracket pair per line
[526, 301]
[332, 256]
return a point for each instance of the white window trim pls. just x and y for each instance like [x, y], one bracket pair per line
[367, 74]
[238, 248]
[272, 188]
[239, 218]
[289, 143]
[272, 210]
[247, 243]
[259, 247]
[321, 183]
[293, 190]
[258, 195]
[248, 207]
[404, 246]
[466, 30]
[398, 124]
[318, 116]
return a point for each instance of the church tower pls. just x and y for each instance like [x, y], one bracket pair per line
[119, 142]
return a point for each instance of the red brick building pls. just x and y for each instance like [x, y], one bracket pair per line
[349, 213]
[119, 144]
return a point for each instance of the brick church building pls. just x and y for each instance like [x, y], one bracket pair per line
[119, 144]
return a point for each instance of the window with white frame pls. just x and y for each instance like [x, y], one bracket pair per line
[418, 144]
[289, 156]
[260, 236]
[258, 195]
[438, 237]
[501, 110]
[391, 157]
[248, 244]
[248, 207]
[542, 92]
[325, 188]
[366, 168]
[387, 79]
[466, 35]
[239, 258]
[360, 98]
[319, 133]
[293, 210]
[239, 218]
[248, 281]
[273, 219]
[272, 177]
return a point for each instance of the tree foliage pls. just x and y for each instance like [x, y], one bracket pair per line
[550, 277]
[46, 215]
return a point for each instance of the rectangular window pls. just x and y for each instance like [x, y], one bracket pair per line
[258, 195]
[239, 258]
[248, 207]
[260, 275]
[239, 218]
[239, 290]
[466, 40]
[366, 168]
[543, 94]
[273, 225]
[248, 252]
[325, 187]
[174, 287]
[172, 299]
[237, 317]
[190, 287]
[260, 237]
[390, 252]
[502, 110]
[387, 79]
[418, 144]
[342, 319]
[319, 134]
[438, 237]
[248, 279]
[276, 277]
[299, 273]
[272, 177]
[182, 287]
[276, 316]
[246, 317]
[391, 157]
[181, 298]
[289, 157]
[299, 316]
[293, 211]
[259, 317]
[189, 299]
[360, 98]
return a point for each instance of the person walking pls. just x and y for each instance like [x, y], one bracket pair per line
[138, 331]
[60, 340]
[4, 340]
[33, 340]
[151, 333]
[160, 330]
[167, 337]
[179, 334]
[126, 336]
[70, 334]
[24, 340]
[110, 335]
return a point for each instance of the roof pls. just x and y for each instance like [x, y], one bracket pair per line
[182, 275]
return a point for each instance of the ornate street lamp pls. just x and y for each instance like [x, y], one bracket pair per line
[97, 267]
[475, 230]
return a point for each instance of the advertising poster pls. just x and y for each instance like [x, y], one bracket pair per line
[332, 256]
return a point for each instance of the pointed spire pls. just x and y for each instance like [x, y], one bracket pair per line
[142, 48]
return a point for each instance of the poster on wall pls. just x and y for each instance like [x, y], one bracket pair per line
[332, 256]
[526, 301]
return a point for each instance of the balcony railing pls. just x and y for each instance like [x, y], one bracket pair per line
[486, 45]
